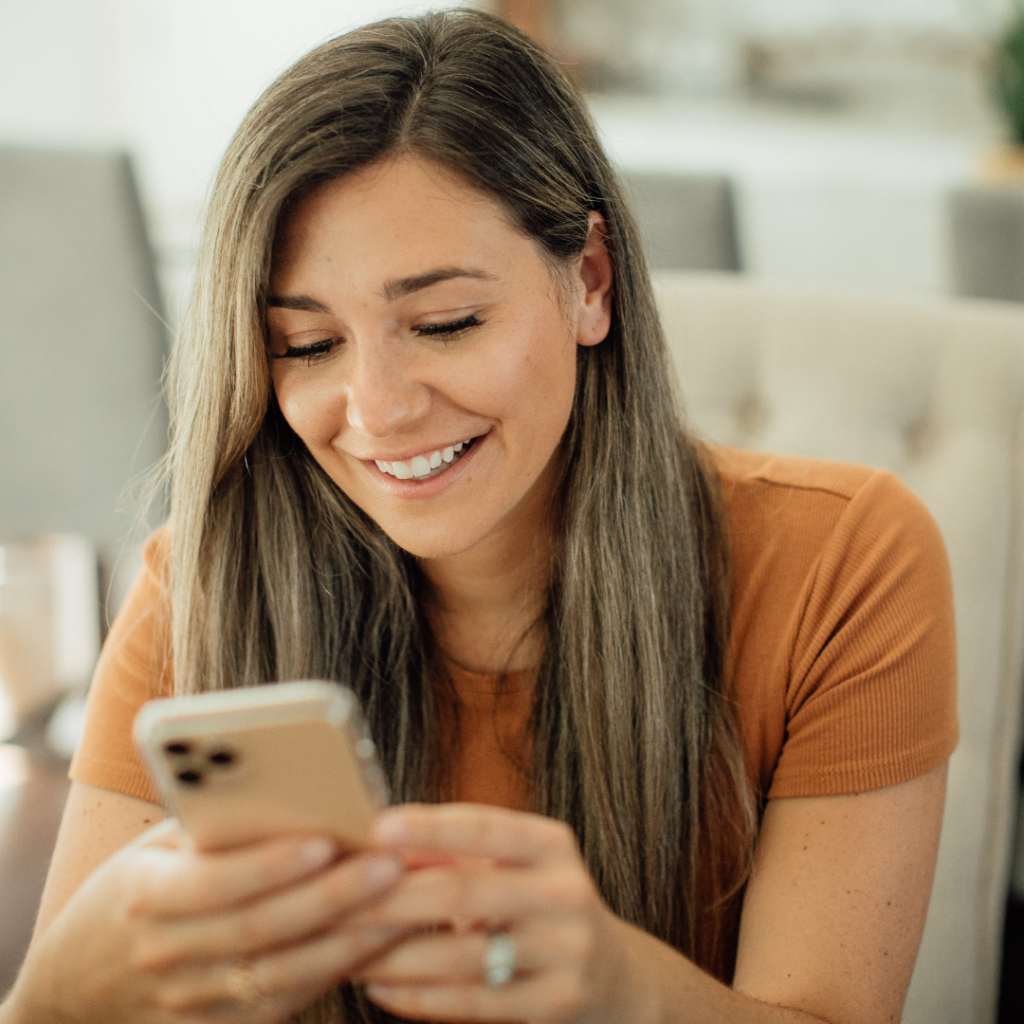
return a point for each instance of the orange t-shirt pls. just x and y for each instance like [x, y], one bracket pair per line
[841, 660]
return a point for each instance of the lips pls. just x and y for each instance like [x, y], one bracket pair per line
[427, 464]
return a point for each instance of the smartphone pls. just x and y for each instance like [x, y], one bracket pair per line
[236, 766]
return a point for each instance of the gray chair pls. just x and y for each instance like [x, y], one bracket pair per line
[987, 248]
[987, 242]
[688, 222]
[933, 389]
[82, 346]
[82, 349]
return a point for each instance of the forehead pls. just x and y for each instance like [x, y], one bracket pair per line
[399, 215]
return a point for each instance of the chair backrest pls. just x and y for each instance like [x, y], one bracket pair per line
[933, 390]
[987, 242]
[687, 221]
[81, 345]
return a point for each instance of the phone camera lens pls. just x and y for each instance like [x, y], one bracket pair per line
[190, 777]
[177, 747]
[222, 757]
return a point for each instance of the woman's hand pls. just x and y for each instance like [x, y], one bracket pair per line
[514, 873]
[832, 919]
[163, 934]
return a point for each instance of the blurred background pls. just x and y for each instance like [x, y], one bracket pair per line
[864, 144]
[828, 114]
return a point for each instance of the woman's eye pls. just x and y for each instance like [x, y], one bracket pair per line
[309, 352]
[448, 330]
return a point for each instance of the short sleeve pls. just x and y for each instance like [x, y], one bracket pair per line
[134, 666]
[871, 696]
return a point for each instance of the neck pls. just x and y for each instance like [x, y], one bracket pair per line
[485, 604]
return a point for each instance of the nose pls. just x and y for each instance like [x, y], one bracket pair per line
[382, 395]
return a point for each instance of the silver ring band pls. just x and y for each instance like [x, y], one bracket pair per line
[241, 984]
[499, 960]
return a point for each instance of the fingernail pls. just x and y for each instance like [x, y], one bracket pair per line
[390, 827]
[316, 853]
[383, 871]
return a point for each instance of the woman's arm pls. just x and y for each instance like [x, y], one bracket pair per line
[96, 824]
[137, 927]
[832, 917]
[840, 889]
[831, 921]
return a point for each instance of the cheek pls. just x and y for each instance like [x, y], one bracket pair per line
[310, 410]
[533, 387]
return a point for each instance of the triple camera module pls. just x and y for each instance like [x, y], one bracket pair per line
[191, 763]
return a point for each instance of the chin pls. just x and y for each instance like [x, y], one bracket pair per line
[432, 544]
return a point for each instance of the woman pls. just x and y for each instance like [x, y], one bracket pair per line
[425, 444]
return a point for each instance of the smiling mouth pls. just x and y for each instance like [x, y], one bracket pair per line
[431, 464]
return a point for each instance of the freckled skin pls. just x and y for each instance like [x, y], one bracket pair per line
[385, 392]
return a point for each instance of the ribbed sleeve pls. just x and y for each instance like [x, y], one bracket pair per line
[843, 659]
[134, 667]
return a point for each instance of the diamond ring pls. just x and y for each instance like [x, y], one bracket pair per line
[499, 960]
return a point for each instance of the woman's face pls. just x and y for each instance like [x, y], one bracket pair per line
[426, 353]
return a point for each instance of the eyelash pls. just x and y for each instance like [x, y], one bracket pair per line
[446, 332]
[449, 330]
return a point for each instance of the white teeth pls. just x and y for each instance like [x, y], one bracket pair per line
[421, 466]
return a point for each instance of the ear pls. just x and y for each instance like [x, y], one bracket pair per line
[595, 275]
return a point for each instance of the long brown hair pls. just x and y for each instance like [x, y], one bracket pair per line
[275, 574]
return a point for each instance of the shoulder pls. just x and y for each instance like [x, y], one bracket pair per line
[134, 666]
[841, 618]
[140, 633]
[800, 508]
[799, 484]
[741, 467]
[797, 517]
[156, 554]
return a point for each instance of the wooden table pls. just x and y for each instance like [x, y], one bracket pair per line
[33, 788]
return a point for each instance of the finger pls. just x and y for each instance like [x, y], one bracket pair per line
[208, 995]
[283, 982]
[477, 830]
[326, 960]
[282, 919]
[548, 996]
[185, 883]
[498, 896]
[434, 959]
[451, 958]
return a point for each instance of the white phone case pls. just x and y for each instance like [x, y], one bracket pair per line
[236, 766]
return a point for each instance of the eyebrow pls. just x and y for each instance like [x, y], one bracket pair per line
[300, 302]
[392, 290]
[407, 285]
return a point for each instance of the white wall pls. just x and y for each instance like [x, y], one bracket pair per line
[819, 204]
[167, 79]
[805, 15]
[170, 79]
[58, 71]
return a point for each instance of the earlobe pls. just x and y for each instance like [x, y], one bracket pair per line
[595, 272]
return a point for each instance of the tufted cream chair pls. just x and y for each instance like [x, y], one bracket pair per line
[932, 389]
